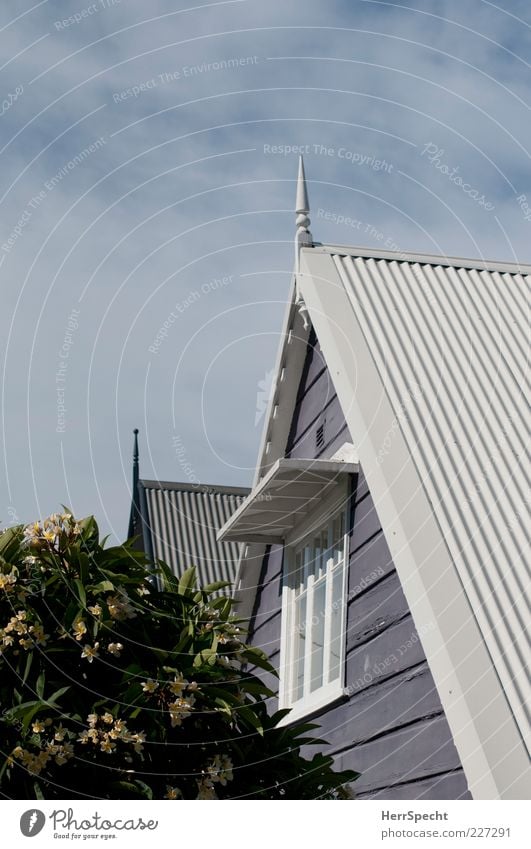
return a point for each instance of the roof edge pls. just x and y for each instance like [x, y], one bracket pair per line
[203, 488]
[423, 259]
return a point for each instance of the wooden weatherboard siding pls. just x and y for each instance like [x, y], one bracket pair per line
[391, 726]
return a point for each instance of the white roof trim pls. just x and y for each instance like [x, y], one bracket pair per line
[288, 370]
[484, 728]
[425, 259]
[289, 491]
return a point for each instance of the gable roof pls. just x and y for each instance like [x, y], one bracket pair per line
[179, 522]
[428, 355]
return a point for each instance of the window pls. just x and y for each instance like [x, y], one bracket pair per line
[313, 616]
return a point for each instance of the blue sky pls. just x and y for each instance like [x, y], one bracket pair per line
[145, 175]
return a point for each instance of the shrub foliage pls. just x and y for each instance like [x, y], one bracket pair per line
[121, 682]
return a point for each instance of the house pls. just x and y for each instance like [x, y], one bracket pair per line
[178, 523]
[387, 545]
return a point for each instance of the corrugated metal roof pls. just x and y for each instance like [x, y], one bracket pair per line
[451, 346]
[180, 524]
[430, 361]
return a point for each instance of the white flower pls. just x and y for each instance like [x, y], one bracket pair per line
[33, 531]
[115, 649]
[173, 793]
[119, 605]
[38, 634]
[7, 581]
[180, 709]
[30, 560]
[178, 685]
[221, 769]
[79, 628]
[138, 740]
[149, 686]
[90, 652]
[206, 789]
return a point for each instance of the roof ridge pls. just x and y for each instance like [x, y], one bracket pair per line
[424, 258]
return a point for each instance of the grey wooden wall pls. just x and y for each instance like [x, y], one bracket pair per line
[391, 727]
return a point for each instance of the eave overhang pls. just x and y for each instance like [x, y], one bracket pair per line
[290, 490]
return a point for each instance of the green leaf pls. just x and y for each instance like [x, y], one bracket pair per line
[57, 695]
[179, 647]
[252, 718]
[39, 685]
[10, 541]
[102, 587]
[81, 592]
[89, 531]
[71, 613]
[28, 716]
[187, 581]
[258, 658]
[280, 714]
[147, 791]
[225, 706]
[256, 688]
[127, 787]
[206, 656]
[84, 570]
[118, 577]
[29, 661]
[169, 581]
[215, 586]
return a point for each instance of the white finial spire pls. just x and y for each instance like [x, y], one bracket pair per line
[303, 236]
[302, 211]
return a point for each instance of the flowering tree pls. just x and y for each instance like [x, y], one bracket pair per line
[117, 684]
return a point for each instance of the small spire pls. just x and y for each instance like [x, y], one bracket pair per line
[303, 237]
[135, 448]
[135, 516]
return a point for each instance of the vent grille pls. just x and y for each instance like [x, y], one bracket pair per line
[320, 437]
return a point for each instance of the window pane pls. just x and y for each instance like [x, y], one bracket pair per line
[299, 642]
[336, 635]
[320, 545]
[317, 556]
[338, 535]
[324, 548]
[328, 553]
[314, 652]
[307, 560]
[318, 631]
[297, 574]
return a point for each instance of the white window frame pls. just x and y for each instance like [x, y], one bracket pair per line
[305, 532]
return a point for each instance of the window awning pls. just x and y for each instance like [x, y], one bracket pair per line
[282, 498]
